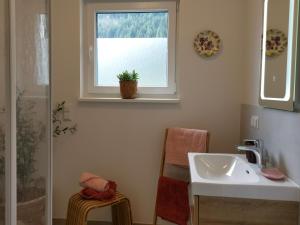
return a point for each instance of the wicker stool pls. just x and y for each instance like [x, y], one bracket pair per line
[79, 208]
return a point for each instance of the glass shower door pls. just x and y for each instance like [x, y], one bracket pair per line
[4, 71]
[30, 63]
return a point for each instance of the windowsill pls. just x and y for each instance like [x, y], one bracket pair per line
[136, 100]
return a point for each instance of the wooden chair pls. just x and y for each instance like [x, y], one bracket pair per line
[163, 165]
[79, 208]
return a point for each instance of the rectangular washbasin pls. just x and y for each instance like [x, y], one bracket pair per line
[224, 168]
[231, 175]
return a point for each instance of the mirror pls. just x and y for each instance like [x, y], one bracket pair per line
[279, 53]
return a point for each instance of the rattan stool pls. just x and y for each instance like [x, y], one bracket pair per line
[79, 208]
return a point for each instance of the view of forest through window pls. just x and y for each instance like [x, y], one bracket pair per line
[132, 41]
[132, 25]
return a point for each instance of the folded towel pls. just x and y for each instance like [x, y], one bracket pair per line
[172, 201]
[180, 141]
[88, 193]
[92, 181]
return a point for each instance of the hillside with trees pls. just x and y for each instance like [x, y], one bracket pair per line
[132, 25]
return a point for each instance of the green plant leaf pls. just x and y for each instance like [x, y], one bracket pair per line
[127, 76]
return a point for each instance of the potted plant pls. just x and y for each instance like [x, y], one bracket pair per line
[31, 190]
[128, 84]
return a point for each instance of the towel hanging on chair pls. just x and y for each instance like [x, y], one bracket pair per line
[180, 141]
[172, 202]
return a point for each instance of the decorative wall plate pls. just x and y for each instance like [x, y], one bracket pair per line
[276, 42]
[207, 43]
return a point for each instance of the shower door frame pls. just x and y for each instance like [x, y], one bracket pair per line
[11, 144]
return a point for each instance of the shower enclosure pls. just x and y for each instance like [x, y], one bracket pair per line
[25, 113]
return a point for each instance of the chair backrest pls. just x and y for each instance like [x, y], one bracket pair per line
[181, 172]
[188, 139]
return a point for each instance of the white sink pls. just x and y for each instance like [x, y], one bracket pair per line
[224, 168]
[230, 175]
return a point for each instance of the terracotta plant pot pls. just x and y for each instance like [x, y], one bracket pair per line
[128, 89]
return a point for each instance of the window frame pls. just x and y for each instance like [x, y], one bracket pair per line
[89, 46]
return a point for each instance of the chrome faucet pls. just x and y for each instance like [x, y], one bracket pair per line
[256, 148]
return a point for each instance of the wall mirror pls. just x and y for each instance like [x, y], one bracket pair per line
[279, 54]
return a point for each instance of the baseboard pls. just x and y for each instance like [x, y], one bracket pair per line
[63, 222]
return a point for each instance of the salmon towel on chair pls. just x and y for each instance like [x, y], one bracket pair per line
[180, 141]
[172, 201]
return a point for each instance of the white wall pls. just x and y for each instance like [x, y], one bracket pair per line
[123, 142]
[254, 16]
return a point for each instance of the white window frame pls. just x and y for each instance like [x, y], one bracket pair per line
[89, 56]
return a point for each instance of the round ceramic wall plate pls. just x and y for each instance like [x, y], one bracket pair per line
[207, 43]
[276, 42]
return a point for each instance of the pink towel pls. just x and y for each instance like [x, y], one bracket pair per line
[180, 141]
[92, 181]
[88, 193]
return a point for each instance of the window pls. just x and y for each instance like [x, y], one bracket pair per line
[42, 50]
[119, 36]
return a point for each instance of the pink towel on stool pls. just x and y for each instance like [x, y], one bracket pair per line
[180, 141]
[92, 181]
[88, 193]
